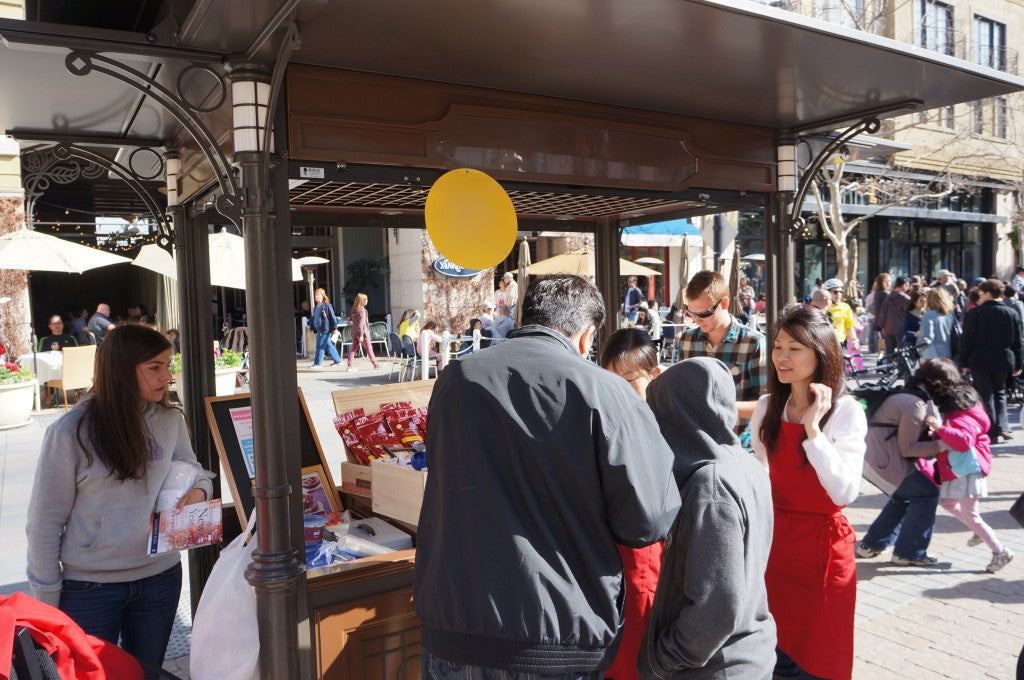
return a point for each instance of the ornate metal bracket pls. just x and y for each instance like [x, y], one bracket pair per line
[83, 62]
[66, 163]
[796, 222]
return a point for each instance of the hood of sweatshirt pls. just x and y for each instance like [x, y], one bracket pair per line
[694, 403]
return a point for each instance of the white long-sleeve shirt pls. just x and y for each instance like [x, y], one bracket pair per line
[837, 454]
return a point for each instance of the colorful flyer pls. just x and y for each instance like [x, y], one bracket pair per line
[193, 526]
[241, 418]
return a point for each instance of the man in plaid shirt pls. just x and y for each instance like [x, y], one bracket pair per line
[720, 335]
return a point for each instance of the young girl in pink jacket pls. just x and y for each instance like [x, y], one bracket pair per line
[965, 465]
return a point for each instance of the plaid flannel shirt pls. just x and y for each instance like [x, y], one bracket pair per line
[742, 350]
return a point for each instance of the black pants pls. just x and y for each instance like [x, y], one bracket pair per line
[991, 387]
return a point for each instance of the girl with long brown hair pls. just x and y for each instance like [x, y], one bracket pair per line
[810, 434]
[360, 330]
[99, 473]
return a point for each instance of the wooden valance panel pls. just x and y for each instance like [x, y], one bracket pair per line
[352, 117]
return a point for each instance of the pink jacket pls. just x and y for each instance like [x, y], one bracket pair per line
[961, 431]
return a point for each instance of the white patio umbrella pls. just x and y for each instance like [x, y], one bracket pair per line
[227, 261]
[38, 252]
[581, 262]
[34, 251]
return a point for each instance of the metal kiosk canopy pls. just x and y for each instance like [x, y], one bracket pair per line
[776, 73]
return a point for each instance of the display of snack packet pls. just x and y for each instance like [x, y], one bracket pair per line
[393, 405]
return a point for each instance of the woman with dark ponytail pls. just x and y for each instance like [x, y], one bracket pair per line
[810, 435]
[99, 473]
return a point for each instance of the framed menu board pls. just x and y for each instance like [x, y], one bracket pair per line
[230, 419]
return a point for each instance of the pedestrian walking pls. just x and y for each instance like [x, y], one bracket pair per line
[903, 461]
[96, 484]
[990, 350]
[879, 291]
[966, 461]
[892, 315]
[710, 616]
[810, 434]
[934, 336]
[325, 322]
[360, 329]
[632, 355]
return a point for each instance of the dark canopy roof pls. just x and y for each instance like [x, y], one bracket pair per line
[722, 59]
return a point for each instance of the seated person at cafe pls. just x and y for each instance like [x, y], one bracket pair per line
[487, 318]
[57, 339]
[431, 339]
[503, 325]
[485, 339]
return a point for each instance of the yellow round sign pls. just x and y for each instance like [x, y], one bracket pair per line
[470, 219]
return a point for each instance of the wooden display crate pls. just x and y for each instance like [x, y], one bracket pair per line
[396, 492]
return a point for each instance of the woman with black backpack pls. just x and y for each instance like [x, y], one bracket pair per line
[899, 452]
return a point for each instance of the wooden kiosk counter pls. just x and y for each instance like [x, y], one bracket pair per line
[362, 624]
[361, 612]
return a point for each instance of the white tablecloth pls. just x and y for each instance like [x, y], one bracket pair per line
[47, 365]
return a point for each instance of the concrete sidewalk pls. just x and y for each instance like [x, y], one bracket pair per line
[953, 621]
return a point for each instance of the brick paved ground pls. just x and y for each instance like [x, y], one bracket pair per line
[954, 622]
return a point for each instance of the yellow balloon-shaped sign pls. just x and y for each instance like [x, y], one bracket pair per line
[470, 219]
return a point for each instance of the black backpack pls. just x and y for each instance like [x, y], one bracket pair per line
[872, 396]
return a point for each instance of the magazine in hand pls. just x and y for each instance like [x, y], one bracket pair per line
[193, 526]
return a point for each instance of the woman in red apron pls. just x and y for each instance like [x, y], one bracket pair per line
[811, 436]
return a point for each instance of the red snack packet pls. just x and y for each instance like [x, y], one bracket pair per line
[349, 434]
[393, 405]
[405, 423]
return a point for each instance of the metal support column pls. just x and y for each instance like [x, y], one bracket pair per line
[606, 265]
[193, 263]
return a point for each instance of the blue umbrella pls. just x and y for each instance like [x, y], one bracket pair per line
[659, 234]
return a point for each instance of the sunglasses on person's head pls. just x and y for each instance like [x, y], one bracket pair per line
[703, 315]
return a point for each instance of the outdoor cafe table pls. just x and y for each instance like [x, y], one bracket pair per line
[46, 366]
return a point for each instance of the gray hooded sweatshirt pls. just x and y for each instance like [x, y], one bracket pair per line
[710, 617]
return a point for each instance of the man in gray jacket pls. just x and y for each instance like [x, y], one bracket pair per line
[540, 462]
[710, 616]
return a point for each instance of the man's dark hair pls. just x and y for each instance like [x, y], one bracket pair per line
[564, 302]
[1009, 291]
[900, 281]
[992, 287]
[1019, 269]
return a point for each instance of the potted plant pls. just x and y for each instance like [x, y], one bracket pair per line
[226, 365]
[17, 393]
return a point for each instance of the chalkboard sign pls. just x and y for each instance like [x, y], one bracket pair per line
[230, 419]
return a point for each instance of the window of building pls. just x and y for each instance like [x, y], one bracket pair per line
[999, 115]
[849, 13]
[989, 41]
[947, 117]
[934, 27]
[977, 118]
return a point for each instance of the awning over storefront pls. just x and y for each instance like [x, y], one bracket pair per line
[659, 234]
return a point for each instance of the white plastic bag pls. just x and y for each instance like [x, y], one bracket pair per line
[225, 635]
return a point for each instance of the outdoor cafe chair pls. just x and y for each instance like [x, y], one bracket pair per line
[412, 365]
[395, 352]
[76, 370]
[379, 336]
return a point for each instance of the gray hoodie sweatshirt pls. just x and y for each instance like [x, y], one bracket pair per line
[84, 523]
[710, 617]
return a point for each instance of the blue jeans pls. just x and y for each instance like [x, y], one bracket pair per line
[323, 343]
[140, 613]
[439, 669]
[907, 519]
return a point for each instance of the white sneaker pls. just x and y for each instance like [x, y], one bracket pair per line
[999, 560]
[974, 540]
[351, 369]
[315, 367]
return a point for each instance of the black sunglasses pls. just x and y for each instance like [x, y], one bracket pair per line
[704, 315]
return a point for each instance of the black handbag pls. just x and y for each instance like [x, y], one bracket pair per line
[1017, 510]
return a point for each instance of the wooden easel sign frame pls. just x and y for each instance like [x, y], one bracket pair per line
[230, 420]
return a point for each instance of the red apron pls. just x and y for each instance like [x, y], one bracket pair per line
[811, 576]
[640, 569]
